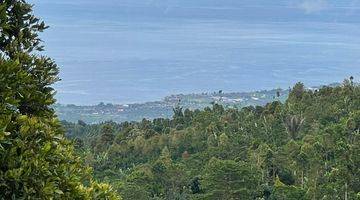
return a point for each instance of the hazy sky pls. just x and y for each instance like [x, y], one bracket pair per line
[125, 51]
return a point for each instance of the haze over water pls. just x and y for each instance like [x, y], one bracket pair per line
[124, 51]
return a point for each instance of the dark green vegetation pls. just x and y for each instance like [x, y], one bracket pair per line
[36, 161]
[305, 148]
[164, 109]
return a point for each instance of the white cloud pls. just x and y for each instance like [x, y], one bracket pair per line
[312, 6]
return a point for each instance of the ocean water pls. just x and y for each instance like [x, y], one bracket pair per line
[125, 51]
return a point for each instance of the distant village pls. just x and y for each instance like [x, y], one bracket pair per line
[164, 109]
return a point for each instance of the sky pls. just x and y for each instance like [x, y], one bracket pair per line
[126, 51]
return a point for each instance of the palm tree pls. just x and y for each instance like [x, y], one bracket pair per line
[293, 125]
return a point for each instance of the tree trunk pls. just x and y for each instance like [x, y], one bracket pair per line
[315, 185]
[346, 192]
[302, 179]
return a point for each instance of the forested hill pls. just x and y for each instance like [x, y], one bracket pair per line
[164, 109]
[307, 147]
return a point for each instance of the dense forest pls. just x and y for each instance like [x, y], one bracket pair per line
[305, 148]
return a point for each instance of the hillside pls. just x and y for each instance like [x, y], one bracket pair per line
[304, 148]
[297, 144]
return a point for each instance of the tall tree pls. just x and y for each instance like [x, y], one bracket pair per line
[36, 161]
[227, 179]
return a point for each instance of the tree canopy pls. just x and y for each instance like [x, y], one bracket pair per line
[37, 161]
[305, 148]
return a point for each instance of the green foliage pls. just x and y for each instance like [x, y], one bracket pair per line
[306, 148]
[227, 179]
[37, 162]
[284, 192]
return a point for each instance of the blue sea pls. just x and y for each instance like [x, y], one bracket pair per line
[126, 51]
